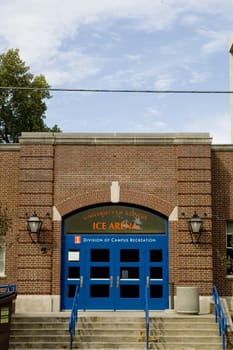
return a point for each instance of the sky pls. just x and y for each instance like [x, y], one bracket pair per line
[127, 45]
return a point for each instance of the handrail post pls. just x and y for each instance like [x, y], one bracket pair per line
[73, 316]
[147, 317]
[220, 317]
[8, 287]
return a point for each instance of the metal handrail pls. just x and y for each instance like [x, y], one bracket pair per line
[8, 288]
[147, 318]
[73, 316]
[220, 316]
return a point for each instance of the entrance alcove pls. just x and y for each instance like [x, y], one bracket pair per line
[115, 252]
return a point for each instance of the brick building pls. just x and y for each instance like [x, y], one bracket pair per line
[116, 210]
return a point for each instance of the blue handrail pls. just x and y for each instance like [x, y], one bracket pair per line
[147, 318]
[73, 316]
[220, 316]
[8, 288]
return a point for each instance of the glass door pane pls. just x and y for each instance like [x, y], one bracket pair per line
[129, 278]
[157, 275]
[71, 272]
[98, 284]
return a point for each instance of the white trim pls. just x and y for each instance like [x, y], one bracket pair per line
[56, 214]
[115, 192]
[174, 214]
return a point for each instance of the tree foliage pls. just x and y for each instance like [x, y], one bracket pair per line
[5, 220]
[21, 109]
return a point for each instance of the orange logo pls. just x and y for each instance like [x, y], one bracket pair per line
[77, 239]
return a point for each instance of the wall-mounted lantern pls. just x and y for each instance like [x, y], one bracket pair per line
[34, 226]
[195, 227]
[195, 223]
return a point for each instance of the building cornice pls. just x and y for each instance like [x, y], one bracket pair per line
[9, 147]
[222, 148]
[115, 138]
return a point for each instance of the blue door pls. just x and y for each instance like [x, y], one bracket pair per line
[156, 271]
[72, 271]
[113, 271]
[98, 289]
[129, 277]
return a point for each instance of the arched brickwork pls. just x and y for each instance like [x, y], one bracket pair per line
[131, 197]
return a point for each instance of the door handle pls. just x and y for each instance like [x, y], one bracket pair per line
[81, 281]
[147, 281]
[111, 281]
[117, 281]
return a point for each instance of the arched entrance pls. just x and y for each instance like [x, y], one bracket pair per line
[114, 252]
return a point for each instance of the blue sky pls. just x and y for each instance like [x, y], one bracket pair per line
[127, 44]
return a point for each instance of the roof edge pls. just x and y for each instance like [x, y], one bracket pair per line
[9, 147]
[114, 138]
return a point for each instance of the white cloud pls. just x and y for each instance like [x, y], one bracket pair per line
[219, 128]
[135, 77]
[151, 111]
[163, 82]
[40, 27]
[76, 42]
[216, 41]
[191, 20]
[75, 67]
[197, 77]
[134, 58]
[151, 121]
[152, 126]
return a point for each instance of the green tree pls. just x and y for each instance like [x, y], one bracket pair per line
[5, 220]
[21, 109]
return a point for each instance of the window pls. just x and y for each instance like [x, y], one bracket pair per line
[229, 248]
[2, 256]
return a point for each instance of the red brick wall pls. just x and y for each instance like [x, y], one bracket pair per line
[222, 190]
[70, 176]
[193, 264]
[36, 181]
[148, 175]
[90, 168]
[9, 196]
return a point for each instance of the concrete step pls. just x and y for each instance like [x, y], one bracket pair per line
[185, 339]
[180, 332]
[38, 332]
[122, 331]
[185, 346]
[40, 345]
[158, 346]
[41, 326]
[139, 332]
[182, 326]
[131, 339]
